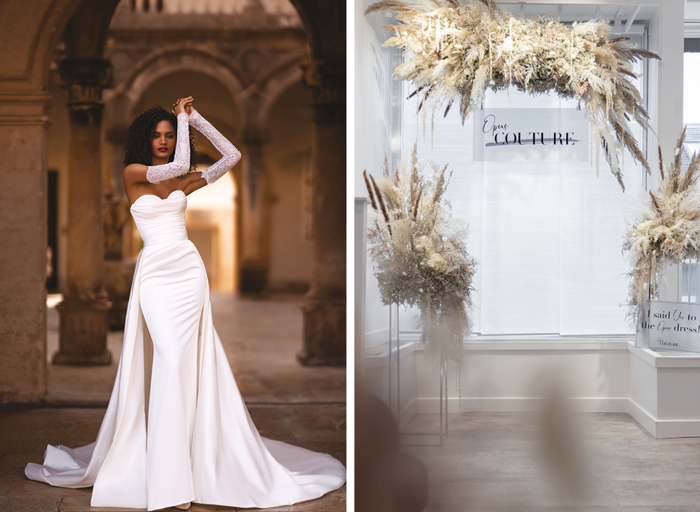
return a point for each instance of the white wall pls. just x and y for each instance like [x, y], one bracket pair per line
[377, 130]
[500, 374]
[507, 375]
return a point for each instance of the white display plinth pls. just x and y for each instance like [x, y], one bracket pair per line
[664, 391]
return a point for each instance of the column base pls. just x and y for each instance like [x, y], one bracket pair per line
[253, 277]
[324, 331]
[83, 332]
[118, 276]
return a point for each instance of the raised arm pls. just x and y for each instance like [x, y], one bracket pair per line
[181, 163]
[230, 155]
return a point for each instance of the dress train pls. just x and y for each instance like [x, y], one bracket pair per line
[176, 427]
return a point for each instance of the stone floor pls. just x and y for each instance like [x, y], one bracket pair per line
[261, 338]
[288, 402]
[575, 462]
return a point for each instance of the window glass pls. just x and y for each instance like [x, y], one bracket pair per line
[547, 234]
[691, 119]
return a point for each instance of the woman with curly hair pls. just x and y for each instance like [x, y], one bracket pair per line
[176, 430]
[138, 148]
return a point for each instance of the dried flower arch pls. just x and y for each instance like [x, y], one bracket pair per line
[458, 51]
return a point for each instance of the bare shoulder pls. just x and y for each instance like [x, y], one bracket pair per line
[132, 168]
[135, 172]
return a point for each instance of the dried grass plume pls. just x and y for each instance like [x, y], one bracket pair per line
[420, 254]
[667, 229]
[458, 50]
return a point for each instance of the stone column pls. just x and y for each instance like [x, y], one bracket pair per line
[23, 258]
[118, 270]
[83, 312]
[255, 215]
[325, 303]
[119, 267]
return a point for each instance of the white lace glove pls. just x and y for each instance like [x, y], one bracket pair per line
[181, 163]
[230, 155]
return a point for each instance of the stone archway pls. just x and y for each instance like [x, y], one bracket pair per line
[173, 59]
[28, 38]
[277, 84]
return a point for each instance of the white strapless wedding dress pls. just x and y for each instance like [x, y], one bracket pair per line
[176, 428]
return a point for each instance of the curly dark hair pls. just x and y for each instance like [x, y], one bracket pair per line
[137, 149]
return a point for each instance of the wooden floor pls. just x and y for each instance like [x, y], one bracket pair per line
[558, 462]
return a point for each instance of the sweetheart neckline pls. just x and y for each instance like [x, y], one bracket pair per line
[157, 197]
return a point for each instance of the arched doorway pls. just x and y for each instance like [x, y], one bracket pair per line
[288, 159]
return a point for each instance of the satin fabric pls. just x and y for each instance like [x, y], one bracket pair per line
[176, 427]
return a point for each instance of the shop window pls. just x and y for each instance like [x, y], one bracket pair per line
[547, 234]
[690, 276]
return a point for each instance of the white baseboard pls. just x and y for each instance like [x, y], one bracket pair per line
[610, 376]
[663, 429]
[660, 429]
[519, 404]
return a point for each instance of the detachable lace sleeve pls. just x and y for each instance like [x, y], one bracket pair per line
[181, 163]
[230, 155]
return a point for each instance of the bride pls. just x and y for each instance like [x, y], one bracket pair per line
[176, 429]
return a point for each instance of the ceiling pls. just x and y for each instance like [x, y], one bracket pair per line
[623, 17]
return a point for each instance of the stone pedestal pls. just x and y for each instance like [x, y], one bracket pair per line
[83, 333]
[324, 330]
[253, 276]
[324, 306]
[83, 327]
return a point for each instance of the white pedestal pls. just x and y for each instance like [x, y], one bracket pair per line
[664, 391]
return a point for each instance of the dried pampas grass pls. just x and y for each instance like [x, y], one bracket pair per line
[420, 254]
[458, 51]
[668, 228]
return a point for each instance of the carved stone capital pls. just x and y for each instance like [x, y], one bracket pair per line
[85, 79]
[327, 78]
[97, 72]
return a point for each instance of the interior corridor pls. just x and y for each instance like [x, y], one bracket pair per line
[297, 404]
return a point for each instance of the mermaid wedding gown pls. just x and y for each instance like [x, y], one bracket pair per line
[176, 428]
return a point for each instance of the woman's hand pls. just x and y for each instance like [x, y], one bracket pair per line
[183, 105]
[188, 106]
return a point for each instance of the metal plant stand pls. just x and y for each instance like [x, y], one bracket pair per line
[419, 437]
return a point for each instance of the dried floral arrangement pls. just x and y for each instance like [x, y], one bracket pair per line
[420, 254]
[458, 51]
[668, 228]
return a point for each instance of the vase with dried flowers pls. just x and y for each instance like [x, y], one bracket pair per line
[667, 229]
[420, 255]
